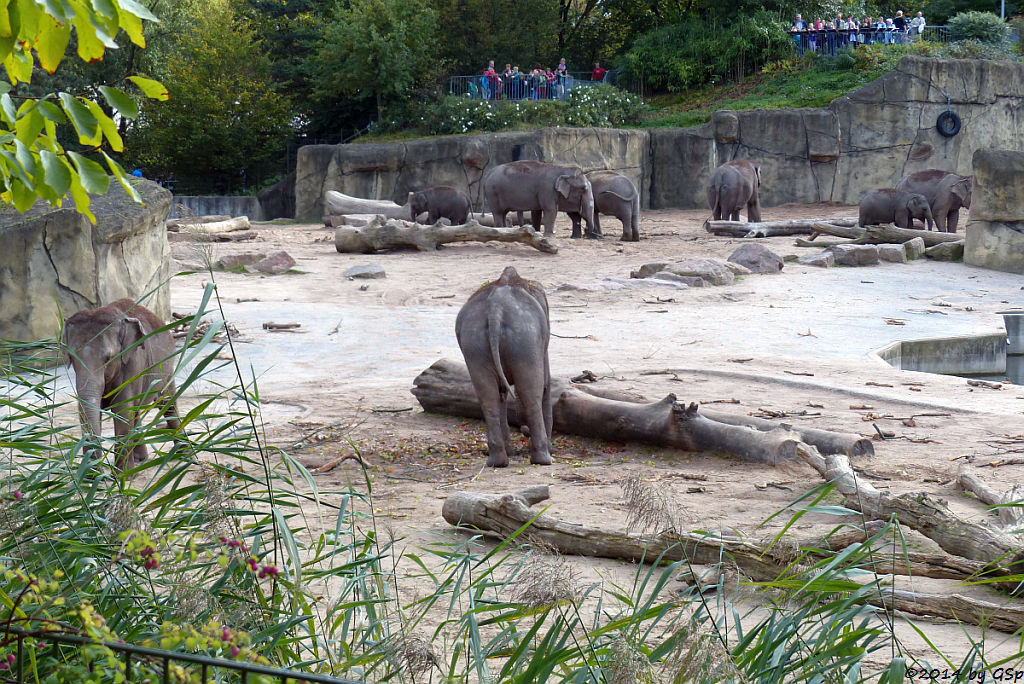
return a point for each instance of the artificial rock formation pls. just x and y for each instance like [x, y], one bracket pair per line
[865, 140]
[995, 233]
[55, 262]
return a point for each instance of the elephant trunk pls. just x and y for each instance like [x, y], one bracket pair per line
[929, 219]
[90, 391]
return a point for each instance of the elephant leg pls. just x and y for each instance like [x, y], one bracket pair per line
[499, 218]
[952, 221]
[535, 219]
[626, 228]
[495, 410]
[595, 234]
[549, 220]
[576, 218]
[432, 217]
[734, 215]
[124, 425]
[754, 210]
[535, 407]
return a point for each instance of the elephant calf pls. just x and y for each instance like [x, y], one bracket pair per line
[894, 206]
[614, 195]
[732, 186]
[440, 201]
[503, 330]
[122, 366]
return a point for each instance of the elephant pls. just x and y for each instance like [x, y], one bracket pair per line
[894, 206]
[540, 188]
[946, 192]
[121, 365]
[732, 185]
[614, 195]
[440, 201]
[503, 330]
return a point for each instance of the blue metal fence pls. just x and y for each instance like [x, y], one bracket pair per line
[828, 41]
[521, 86]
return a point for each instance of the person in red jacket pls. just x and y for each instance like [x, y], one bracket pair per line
[598, 73]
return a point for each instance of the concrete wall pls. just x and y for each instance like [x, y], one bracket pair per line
[198, 205]
[964, 355]
[862, 141]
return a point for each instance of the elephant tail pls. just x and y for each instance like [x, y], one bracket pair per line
[494, 323]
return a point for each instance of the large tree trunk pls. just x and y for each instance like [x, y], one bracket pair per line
[772, 228]
[884, 235]
[445, 387]
[339, 203]
[388, 234]
[761, 560]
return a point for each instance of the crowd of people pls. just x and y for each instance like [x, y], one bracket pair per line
[539, 84]
[842, 31]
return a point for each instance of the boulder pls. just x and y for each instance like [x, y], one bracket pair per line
[946, 251]
[647, 270]
[708, 269]
[894, 253]
[999, 189]
[855, 255]
[737, 269]
[914, 248]
[275, 264]
[757, 258]
[54, 262]
[234, 262]
[689, 281]
[278, 201]
[821, 259]
[366, 271]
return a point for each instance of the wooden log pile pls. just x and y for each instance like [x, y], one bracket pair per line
[382, 233]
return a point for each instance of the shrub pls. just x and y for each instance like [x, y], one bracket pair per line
[984, 27]
[976, 49]
[878, 58]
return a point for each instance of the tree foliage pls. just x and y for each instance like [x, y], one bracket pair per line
[224, 126]
[984, 27]
[34, 162]
[377, 51]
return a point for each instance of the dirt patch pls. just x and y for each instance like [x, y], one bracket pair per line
[793, 346]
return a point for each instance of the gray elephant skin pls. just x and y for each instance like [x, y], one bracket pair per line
[503, 330]
[732, 186]
[945, 191]
[614, 195]
[888, 205]
[541, 188]
[440, 201]
[121, 366]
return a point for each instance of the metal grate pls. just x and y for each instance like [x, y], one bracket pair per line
[210, 668]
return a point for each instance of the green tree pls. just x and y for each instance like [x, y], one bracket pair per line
[376, 51]
[36, 160]
[224, 128]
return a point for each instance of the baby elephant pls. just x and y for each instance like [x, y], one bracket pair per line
[614, 195]
[440, 201]
[121, 366]
[503, 331]
[894, 206]
[733, 185]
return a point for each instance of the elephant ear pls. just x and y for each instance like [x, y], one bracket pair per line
[562, 185]
[132, 331]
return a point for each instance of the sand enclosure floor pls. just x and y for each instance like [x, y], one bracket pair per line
[794, 344]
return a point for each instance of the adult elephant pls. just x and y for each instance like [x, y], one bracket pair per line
[121, 365]
[887, 205]
[732, 186]
[614, 195]
[945, 191]
[540, 188]
[503, 330]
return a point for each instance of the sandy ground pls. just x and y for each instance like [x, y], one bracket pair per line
[794, 344]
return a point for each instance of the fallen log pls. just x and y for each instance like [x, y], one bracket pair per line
[339, 203]
[760, 560]
[229, 225]
[175, 223]
[445, 387]
[1002, 554]
[771, 228]
[884, 235]
[1009, 515]
[383, 233]
[203, 236]
[1005, 618]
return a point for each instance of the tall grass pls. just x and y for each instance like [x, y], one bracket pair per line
[225, 546]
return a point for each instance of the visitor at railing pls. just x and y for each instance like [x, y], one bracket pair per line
[827, 37]
[599, 72]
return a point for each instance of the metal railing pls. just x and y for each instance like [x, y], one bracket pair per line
[522, 86]
[828, 41]
[210, 668]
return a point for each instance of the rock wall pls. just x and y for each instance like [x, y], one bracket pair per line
[862, 141]
[995, 233]
[55, 262]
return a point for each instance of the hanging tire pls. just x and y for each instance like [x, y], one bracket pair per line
[948, 124]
